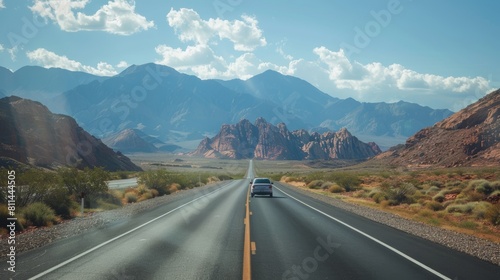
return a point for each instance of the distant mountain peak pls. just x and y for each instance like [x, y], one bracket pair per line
[151, 68]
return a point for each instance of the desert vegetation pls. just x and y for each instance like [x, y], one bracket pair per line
[45, 198]
[466, 200]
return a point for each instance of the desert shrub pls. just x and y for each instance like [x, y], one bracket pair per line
[39, 214]
[61, 202]
[493, 214]
[453, 184]
[154, 193]
[434, 206]
[373, 191]
[480, 209]
[315, 184]
[484, 187]
[495, 185]
[472, 196]
[437, 184]
[379, 197]
[461, 208]
[141, 189]
[174, 188]
[130, 197]
[425, 213]
[473, 184]
[431, 189]
[334, 188]
[145, 196]
[400, 194]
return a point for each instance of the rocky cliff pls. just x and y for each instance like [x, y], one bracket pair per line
[263, 140]
[32, 135]
[470, 137]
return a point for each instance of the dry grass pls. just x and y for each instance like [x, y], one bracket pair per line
[463, 200]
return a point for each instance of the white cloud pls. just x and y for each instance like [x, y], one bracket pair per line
[1, 4]
[122, 64]
[117, 17]
[376, 82]
[244, 34]
[49, 59]
[1, 48]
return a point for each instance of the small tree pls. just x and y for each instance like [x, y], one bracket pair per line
[86, 183]
[35, 185]
[157, 180]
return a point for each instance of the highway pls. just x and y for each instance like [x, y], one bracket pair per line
[122, 184]
[202, 236]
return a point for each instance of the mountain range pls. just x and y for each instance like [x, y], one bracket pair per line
[32, 135]
[470, 137]
[181, 109]
[263, 140]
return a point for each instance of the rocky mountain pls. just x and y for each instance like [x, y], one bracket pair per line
[135, 141]
[263, 140]
[180, 108]
[32, 135]
[296, 97]
[467, 138]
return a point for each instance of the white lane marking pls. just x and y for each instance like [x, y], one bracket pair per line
[372, 238]
[123, 234]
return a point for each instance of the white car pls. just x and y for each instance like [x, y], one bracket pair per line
[261, 186]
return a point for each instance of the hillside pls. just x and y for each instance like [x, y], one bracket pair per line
[32, 135]
[135, 141]
[262, 140]
[470, 137]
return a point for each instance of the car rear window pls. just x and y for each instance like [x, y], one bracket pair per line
[260, 181]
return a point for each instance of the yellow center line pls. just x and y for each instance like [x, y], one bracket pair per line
[247, 250]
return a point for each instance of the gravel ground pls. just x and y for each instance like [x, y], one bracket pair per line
[477, 247]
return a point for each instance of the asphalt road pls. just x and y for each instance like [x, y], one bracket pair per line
[201, 236]
[122, 184]
[297, 237]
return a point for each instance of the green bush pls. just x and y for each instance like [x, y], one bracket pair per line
[400, 194]
[39, 214]
[434, 206]
[480, 209]
[60, 201]
[484, 187]
[493, 214]
[461, 208]
[379, 197]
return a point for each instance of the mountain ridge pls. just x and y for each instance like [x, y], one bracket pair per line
[179, 107]
[262, 140]
[470, 137]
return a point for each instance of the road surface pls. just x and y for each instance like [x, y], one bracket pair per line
[122, 184]
[202, 236]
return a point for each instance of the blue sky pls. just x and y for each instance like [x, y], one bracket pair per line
[442, 54]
